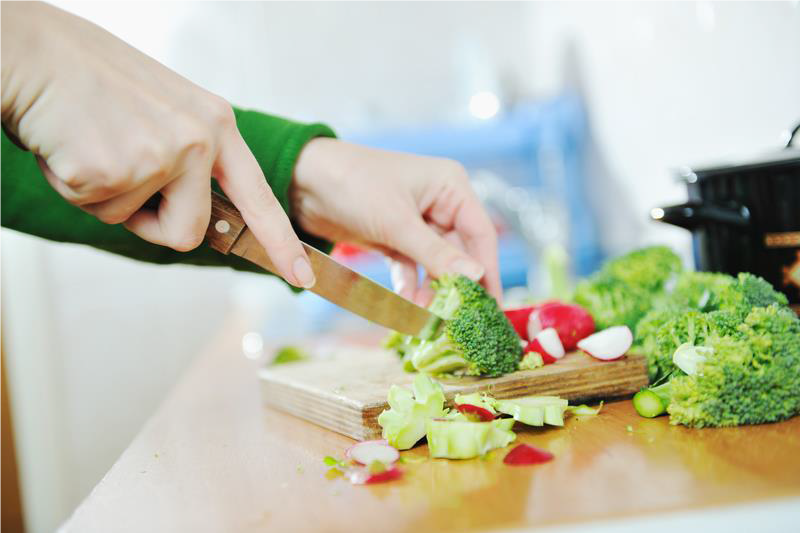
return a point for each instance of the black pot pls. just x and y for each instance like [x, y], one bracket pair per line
[745, 218]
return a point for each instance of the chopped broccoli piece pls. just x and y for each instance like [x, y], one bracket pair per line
[459, 439]
[531, 361]
[289, 354]
[535, 410]
[477, 338]
[475, 398]
[653, 401]
[404, 422]
[748, 376]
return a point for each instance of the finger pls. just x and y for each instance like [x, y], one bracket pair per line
[122, 207]
[403, 273]
[239, 175]
[479, 237]
[183, 213]
[424, 293]
[419, 242]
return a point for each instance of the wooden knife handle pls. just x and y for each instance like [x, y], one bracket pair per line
[226, 224]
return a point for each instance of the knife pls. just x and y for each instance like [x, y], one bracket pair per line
[228, 233]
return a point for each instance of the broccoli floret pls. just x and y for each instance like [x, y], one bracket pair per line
[691, 327]
[477, 338]
[649, 268]
[627, 287]
[703, 291]
[750, 291]
[749, 376]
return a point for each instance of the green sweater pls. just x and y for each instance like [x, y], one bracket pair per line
[31, 206]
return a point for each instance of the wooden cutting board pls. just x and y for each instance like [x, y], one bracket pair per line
[344, 389]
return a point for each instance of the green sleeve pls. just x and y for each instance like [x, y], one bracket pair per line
[30, 205]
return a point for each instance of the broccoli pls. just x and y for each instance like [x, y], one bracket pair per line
[750, 375]
[404, 422]
[627, 287]
[461, 439]
[477, 338]
[703, 291]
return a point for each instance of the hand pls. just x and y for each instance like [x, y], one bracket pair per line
[111, 127]
[416, 210]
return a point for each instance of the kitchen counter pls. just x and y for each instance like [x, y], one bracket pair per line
[213, 458]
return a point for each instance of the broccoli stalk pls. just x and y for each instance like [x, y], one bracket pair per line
[653, 401]
[477, 339]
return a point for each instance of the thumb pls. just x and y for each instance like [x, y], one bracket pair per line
[422, 244]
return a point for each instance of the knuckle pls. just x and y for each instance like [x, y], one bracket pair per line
[187, 241]
[454, 170]
[221, 112]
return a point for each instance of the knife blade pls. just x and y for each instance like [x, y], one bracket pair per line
[228, 233]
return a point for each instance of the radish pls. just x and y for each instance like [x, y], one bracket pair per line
[367, 476]
[572, 322]
[609, 344]
[519, 317]
[527, 455]
[548, 345]
[475, 411]
[370, 451]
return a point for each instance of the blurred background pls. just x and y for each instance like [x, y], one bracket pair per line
[573, 119]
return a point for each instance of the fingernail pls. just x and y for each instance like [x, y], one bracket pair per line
[471, 269]
[303, 273]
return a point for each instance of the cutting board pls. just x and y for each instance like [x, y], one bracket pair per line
[345, 388]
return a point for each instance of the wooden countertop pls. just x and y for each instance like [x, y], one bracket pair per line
[213, 458]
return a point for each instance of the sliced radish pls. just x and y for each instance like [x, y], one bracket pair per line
[548, 345]
[527, 455]
[572, 322]
[519, 319]
[534, 346]
[362, 476]
[475, 410]
[609, 344]
[370, 451]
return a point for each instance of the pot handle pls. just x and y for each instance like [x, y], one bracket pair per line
[792, 136]
[694, 213]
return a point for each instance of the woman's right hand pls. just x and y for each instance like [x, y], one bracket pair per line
[111, 127]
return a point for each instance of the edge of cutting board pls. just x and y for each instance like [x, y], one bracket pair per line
[346, 393]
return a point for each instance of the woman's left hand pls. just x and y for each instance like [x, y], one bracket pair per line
[416, 210]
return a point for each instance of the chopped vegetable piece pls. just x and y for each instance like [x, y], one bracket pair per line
[688, 357]
[534, 360]
[585, 410]
[370, 451]
[475, 411]
[524, 454]
[571, 322]
[334, 462]
[519, 319]
[609, 344]
[289, 354]
[535, 410]
[404, 422]
[547, 344]
[362, 475]
[652, 402]
[476, 398]
[459, 439]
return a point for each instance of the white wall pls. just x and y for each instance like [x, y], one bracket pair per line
[671, 84]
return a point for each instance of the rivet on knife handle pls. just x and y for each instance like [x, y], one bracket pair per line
[225, 226]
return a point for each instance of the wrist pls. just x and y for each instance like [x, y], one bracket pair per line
[318, 168]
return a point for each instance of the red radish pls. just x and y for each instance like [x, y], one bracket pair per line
[609, 344]
[572, 322]
[475, 410]
[519, 317]
[548, 345]
[534, 346]
[370, 451]
[363, 476]
[527, 455]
